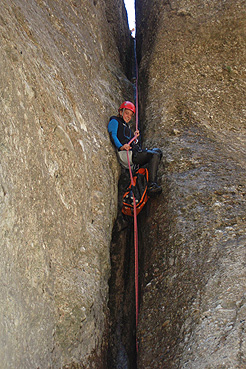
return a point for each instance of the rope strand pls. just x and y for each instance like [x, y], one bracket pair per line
[134, 201]
[135, 246]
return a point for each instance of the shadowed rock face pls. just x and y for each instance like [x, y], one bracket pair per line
[192, 102]
[61, 78]
[118, 23]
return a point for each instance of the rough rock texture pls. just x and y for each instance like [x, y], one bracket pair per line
[192, 101]
[61, 78]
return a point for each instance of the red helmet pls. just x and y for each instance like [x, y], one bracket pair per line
[128, 105]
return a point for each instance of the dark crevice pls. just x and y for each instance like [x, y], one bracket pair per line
[122, 336]
[122, 36]
[122, 307]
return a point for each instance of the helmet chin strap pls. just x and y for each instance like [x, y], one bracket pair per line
[122, 114]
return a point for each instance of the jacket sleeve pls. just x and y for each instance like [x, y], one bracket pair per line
[113, 129]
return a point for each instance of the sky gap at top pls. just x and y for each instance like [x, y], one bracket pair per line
[130, 8]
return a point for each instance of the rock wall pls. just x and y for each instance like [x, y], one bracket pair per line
[61, 78]
[192, 102]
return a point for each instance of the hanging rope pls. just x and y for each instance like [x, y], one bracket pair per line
[135, 246]
[134, 199]
[136, 71]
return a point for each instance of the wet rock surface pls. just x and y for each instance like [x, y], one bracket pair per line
[61, 78]
[192, 98]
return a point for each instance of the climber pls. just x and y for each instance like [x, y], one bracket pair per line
[121, 134]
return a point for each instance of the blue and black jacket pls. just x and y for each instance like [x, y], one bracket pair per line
[120, 133]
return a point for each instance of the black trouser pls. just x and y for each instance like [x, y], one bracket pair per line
[150, 157]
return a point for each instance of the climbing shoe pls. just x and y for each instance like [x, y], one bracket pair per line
[153, 189]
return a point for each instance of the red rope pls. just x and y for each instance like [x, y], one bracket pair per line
[135, 246]
[134, 205]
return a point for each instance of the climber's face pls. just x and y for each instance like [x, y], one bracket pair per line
[127, 115]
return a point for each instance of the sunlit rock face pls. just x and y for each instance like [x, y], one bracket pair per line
[61, 78]
[192, 104]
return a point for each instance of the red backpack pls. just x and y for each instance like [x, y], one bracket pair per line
[139, 189]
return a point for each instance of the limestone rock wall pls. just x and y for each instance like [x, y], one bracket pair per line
[192, 103]
[60, 79]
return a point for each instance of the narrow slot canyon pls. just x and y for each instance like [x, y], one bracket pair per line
[122, 307]
[122, 351]
[66, 251]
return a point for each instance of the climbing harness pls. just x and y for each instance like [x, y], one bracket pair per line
[140, 191]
